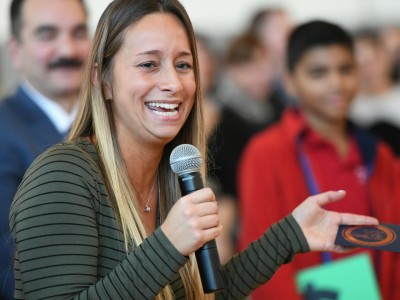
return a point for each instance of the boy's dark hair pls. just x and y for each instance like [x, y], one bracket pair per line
[313, 34]
[16, 17]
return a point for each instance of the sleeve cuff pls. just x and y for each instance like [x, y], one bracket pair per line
[161, 241]
[296, 236]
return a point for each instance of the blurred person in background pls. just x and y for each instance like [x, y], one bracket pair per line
[391, 38]
[48, 46]
[208, 79]
[272, 27]
[377, 105]
[208, 74]
[314, 148]
[247, 105]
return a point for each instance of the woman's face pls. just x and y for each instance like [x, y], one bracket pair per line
[153, 84]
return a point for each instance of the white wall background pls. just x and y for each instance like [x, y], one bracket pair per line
[222, 18]
[228, 16]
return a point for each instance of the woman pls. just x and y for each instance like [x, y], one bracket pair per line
[96, 218]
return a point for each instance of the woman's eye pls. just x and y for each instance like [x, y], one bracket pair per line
[184, 66]
[147, 65]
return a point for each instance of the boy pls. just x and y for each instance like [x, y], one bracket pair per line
[314, 149]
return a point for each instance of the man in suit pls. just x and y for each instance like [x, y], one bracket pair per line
[49, 45]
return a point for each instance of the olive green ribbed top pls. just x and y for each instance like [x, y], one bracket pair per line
[69, 243]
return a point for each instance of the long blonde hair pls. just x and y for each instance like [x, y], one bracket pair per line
[95, 120]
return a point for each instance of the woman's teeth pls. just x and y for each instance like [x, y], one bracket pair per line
[166, 113]
[167, 109]
[163, 105]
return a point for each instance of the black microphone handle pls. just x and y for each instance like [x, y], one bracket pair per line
[207, 256]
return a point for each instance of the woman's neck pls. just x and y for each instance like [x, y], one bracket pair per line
[141, 163]
[142, 166]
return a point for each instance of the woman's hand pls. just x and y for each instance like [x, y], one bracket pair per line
[193, 221]
[320, 226]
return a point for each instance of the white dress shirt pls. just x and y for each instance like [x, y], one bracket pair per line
[61, 119]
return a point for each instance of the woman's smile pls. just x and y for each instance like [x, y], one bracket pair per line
[164, 109]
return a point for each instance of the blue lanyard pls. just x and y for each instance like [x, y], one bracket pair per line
[311, 182]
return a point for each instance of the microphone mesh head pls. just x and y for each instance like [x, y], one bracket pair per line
[185, 158]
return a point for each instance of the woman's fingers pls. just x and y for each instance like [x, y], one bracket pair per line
[212, 233]
[320, 226]
[206, 222]
[328, 197]
[203, 195]
[203, 209]
[352, 219]
[193, 221]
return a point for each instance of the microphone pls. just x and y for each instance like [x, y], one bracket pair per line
[185, 161]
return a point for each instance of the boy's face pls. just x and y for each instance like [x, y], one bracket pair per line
[325, 81]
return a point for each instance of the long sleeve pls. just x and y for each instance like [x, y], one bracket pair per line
[255, 266]
[68, 242]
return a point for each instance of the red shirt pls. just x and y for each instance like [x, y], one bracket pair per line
[326, 170]
[272, 183]
[333, 172]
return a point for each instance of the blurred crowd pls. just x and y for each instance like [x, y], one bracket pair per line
[246, 91]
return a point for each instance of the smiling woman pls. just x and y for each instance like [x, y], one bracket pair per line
[81, 219]
[156, 58]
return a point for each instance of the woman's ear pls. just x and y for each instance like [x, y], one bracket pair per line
[96, 81]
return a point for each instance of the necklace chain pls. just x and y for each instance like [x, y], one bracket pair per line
[147, 207]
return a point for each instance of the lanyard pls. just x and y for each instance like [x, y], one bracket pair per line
[312, 183]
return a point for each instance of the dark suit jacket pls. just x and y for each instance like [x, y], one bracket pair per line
[25, 132]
